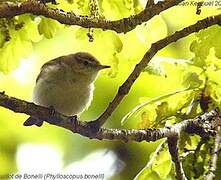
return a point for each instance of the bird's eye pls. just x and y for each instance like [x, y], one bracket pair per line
[85, 63]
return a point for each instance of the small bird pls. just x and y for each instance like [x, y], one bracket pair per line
[66, 84]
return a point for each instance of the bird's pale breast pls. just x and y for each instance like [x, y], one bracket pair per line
[69, 97]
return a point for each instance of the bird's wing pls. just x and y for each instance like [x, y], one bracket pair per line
[49, 64]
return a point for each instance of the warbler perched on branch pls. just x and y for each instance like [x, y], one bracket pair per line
[66, 84]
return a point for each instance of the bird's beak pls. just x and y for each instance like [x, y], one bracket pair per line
[103, 67]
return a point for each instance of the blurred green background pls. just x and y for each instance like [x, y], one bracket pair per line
[23, 148]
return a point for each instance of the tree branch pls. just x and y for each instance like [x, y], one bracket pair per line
[9, 9]
[214, 156]
[173, 149]
[84, 128]
[155, 47]
[149, 3]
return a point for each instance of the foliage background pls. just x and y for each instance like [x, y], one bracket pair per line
[41, 39]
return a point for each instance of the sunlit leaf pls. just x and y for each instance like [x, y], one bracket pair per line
[163, 165]
[150, 32]
[81, 34]
[192, 108]
[142, 105]
[155, 69]
[162, 110]
[148, 174]
[159, 165]
[207, 39]
[147, 118]
[114, 61]
[138, 7]
[196, 163]
[12, 52]
[115, 9]
[20, 43]
[48, 27]
[29, 31]
[192, 80]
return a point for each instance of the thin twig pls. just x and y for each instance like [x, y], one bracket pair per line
[10, 9]
[196, 153]
[85, 128]
[173, 149]
[155, 47]
[214, 156]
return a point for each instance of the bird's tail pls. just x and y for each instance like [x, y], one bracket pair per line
[32, 121]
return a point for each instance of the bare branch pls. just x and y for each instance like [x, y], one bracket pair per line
[125, 87]
[173, 148]
[9, 9]
[214, 156]
[85, 128]
[196, 153]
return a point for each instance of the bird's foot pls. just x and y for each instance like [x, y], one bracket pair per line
[52, 111]
[94, 126]
[52, 114]
[73, 120]
[2, 93]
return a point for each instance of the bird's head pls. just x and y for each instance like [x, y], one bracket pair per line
[85, 63]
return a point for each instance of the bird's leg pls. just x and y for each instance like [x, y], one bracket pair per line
[73, 120]
[52, 111]
[94, 126]
[2, 93]
[52, 119]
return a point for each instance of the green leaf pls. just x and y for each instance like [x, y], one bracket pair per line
[159, 165]
[48, 27]
[20, 44]
[114, 46]
[114, 61]
[148, 174]
[81, 34]
[150, 32]
[138, 7]
[196, 163]
[115, 9]
[163, 165]
[206, 39]
[12, 52]
[70, 1]
[155, 69]
[139, 107]
[162, 111]
[29, 31]
[147, 119]
[191, 80]
[83, 5]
